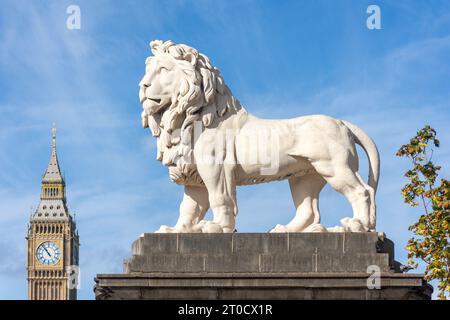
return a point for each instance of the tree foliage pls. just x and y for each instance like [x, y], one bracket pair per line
[431, 234]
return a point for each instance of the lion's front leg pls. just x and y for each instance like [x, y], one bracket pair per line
[221, 186]
[214, 154]
[192, 210]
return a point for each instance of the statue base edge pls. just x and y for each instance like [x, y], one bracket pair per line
[300, 286]
[261, 266]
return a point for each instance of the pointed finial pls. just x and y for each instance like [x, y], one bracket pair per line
[54, 133]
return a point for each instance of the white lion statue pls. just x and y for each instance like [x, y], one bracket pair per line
[211, 144]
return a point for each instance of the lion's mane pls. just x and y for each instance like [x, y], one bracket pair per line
[202, 96]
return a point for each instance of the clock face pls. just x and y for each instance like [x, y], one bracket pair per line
[48, 253]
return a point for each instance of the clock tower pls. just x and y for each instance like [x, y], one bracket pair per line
[52, 240]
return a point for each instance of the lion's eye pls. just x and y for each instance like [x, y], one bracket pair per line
[163, 69]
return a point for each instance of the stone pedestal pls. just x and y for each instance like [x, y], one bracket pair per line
[261, 266]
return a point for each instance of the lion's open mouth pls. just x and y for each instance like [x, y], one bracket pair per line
[158, 101]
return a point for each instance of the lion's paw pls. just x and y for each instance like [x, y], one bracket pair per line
[353, 225]
[206, 226]
[336, 229]
[349, 225]
[166, 229]
[315, 227]
[279, 228]
[212, 227]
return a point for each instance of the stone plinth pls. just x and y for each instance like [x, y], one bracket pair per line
[261, 266]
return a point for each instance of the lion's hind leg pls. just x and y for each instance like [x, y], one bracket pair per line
[305, 193]
[348, 182]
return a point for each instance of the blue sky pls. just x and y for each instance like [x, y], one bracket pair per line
[280, 59]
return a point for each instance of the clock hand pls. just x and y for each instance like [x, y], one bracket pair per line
[47, 252]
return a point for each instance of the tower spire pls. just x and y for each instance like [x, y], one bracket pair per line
[54, 137]
[53, 189]
[53, 172]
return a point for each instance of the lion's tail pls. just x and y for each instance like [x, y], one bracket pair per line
[371, 151]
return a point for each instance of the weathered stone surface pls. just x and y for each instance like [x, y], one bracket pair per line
[167, 263]
[204, 243]
[240, 262]
[312, 242]
[361, 242]
[260, 266]
[358, 262]
[287, 263]
[260, 242]
[256, 286]
[157, 243]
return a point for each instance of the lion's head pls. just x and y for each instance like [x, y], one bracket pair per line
[180, 86]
